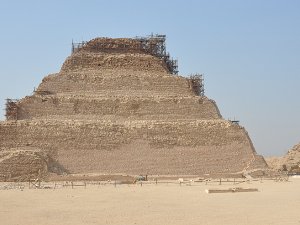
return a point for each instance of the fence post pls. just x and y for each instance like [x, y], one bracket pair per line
[220, 181]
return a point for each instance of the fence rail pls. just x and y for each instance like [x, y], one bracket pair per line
[35, 184]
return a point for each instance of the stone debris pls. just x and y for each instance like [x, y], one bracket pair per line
[231, 190]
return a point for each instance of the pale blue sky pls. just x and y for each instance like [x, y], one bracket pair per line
[248, 50]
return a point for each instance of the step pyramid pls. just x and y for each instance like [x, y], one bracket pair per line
[117, 106]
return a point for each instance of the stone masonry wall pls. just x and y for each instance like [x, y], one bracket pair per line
[127, 106]
[117, 82]
[139, 62]
[135, 147]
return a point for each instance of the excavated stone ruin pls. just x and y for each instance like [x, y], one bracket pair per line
[289, 163]
[292, 160]
[116, 107]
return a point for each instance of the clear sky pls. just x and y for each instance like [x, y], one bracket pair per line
[248, 51]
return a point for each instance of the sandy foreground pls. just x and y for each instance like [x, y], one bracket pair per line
[275, 203]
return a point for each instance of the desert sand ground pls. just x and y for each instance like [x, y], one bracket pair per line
[275, 203]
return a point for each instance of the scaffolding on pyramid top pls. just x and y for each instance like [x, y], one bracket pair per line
[153, 44]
